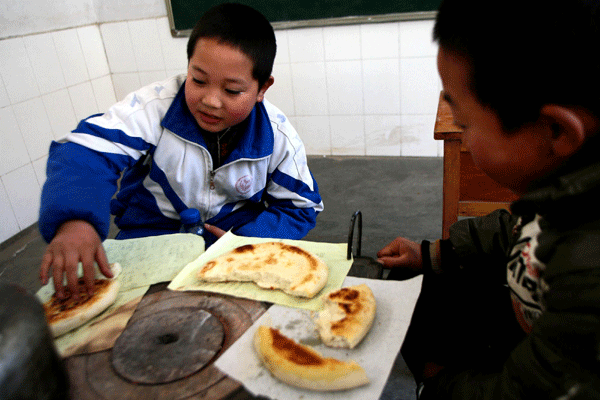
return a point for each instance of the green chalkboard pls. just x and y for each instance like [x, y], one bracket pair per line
[183, 14]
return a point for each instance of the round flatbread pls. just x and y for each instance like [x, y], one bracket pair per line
[271, 265]
[64, 315]
[347, 316]
[304, 367]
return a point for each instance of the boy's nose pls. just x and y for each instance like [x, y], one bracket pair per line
[211, 99]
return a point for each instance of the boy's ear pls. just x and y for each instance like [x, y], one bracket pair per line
[568, 128]
[261, 93]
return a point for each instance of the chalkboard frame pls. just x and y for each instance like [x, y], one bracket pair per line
[321, 22]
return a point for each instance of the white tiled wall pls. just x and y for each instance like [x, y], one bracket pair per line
[349, 90]
[360, 90]
[134, 57]
[48, 82]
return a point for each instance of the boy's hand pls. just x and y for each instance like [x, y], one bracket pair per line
[75, 241]
[402, 253]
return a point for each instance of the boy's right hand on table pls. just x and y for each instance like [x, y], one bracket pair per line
[75, 241]
[402, 253]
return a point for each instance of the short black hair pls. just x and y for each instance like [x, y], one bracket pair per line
[526, 53]
[243, 28]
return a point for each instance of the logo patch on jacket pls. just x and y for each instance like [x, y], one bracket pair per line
[244, 184]
[524, 275]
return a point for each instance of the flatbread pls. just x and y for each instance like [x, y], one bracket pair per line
[271, 265]
[347, 316]
[303, 367]
[64, 315]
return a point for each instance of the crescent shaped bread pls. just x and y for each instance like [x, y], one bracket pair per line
[270, 265]
[347, 316]
[64, 315]
[303, 367]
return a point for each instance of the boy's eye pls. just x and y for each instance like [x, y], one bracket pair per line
[198, 81]
[233, 92]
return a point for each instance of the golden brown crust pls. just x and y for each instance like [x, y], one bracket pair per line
[302, 366]
[292, 351]
[271, 265]
[352, 303]
[348, 316]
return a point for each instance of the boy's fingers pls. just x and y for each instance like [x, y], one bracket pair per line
[45, 267]
[218, 232]
[102, 261]
[72, 278]
[396, 247]
[89, 273]
[57, 275]
[388, 250]
[392, 261]
[383, 252]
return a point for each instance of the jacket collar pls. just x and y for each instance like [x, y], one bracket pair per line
[577, 179]
[256, 142]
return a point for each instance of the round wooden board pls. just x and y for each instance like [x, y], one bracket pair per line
[167, 346]
[94, 377]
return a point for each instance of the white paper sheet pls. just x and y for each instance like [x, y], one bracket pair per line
[376, 353]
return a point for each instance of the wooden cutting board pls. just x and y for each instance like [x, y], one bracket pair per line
[167, 349]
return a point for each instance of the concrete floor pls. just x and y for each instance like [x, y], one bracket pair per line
[397, 196]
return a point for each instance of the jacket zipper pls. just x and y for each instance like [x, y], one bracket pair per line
[212, 180]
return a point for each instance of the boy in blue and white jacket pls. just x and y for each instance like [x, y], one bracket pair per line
[205, 140]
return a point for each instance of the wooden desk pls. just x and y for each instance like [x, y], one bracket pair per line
[467, 190]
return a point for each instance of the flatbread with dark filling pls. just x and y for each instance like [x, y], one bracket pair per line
[64, 315]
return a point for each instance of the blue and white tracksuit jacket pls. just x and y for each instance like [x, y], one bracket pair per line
[264, 188]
